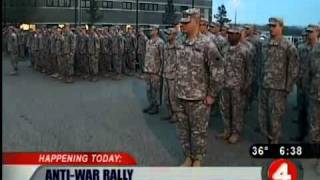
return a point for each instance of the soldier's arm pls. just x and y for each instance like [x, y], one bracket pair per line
[293, 66]
[214, 61]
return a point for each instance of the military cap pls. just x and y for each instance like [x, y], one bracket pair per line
[214, 24]
[205, 20]
[172, 31]
[234, 30]
[247, 26]
[225, 26]
[275, 20]
[312, 27]
[187, 13]
[154, 26]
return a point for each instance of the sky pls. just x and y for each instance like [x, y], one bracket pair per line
[294, 12]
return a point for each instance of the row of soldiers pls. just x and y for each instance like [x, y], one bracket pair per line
[63, 53]
[205, 67]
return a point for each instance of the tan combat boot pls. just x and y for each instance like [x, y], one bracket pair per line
[234, 138]
[187, 162]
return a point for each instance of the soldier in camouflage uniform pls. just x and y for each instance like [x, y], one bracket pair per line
[93, 52]
[108, 56]
[256, 63]
[237, 78]
[59, 46]
[169, 69]
[13, 49]
[204, 29]
[303, 84]
[153, 68]
[45, 52]
[131, 51]
[103, 52]
[83, 54]
[35, 49]
[141, 45]
[22, 43]
[220, 41]
[279, 73]
[52, 59]
[69, 47]
[199, 78]
[314, 89]
[117, 49]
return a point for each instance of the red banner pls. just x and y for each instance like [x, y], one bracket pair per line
[69, 158]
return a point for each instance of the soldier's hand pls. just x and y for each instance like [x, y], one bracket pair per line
[209, 100]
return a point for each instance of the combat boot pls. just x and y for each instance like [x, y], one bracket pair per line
[234, 138]
[196, 163]
[187, 162]
[146, 110]
[154, 110]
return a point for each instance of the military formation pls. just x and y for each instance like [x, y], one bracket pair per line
[199, 67]
[65, 53]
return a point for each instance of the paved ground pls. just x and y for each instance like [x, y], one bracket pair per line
[43, 114]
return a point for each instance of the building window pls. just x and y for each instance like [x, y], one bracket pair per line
[85, 3]
[58, 3]
[149, 7]
[154, 7]
[107, 4]
[126, 5]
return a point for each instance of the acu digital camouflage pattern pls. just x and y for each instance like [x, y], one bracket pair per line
[314, 93]
[237, 78]
[93, 52]
[13, 48]
[279, 72]
[199, 74]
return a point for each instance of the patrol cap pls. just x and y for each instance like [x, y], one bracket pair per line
[205, 20]
[186, 15]
[234, 30]
[275, 20]
[154, 26]
[225, 27]
[214, 24]
[172, 31]
[312, 27]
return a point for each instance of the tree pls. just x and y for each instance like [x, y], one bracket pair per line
[221, 16]
[94, 13]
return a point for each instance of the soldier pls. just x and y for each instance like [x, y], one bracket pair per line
[83, 53]
[45, 52]
[204, 29]
[69, 47]
[314, 89]
[13, 49]
[237, 78]
[256, 42]
[52, 60]
[141, 45]
[199, 77]
[169, 69]
[93, 52]
[103, 52]
[131, 51]
[279, 72]
[153, 68]
[22, 43]
[304, 50]
[220, 41]
[28, 42]
[117, 49]
[35, 49]
[108, 57]
[59, 48]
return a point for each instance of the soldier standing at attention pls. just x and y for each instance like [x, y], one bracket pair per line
[169, 70]
[314, 89]
[303, 84]
[117, 47]
[199, 77]
[93, 51]
[13, 48]
[280, 68]
[152, 69]
[131, 51]
[69, 51]
[141, 45]
[237, 76]
[59, 52]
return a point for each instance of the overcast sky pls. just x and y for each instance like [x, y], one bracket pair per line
[294, 12]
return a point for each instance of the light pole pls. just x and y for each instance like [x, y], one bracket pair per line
[192, 3]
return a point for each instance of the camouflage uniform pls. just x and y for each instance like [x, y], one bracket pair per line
[41, 57]
[169, 70]
[117, 48]
[279, 72]
[35, 47]
[13, 48]
[237, 78]
[303, 84]
[314, 93]
[28, 43]
[141, 45]
[93, 51]
[22, 43]
[152, 68]
[45, 52]
[84, 56]
[221, 43]
[199, 74]
[69, 47]
[131, 51]
[52, 60]
[60, 54]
